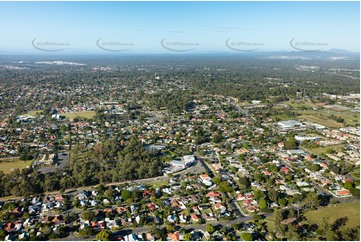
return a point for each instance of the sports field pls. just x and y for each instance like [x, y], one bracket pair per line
[9, 164]
[349, 209]
[84, 114]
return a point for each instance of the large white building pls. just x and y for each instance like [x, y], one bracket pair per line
[290, 124]
[185, 162]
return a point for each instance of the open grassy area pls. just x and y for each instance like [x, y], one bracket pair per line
[313, 116]
[33, 112]
[158, 183]
[300, 104]
[356, 173]
[84, 114]
[7, 164]
[320, 150]
[349, 209]
[321, 117]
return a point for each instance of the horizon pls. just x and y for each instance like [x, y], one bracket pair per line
[133, 28]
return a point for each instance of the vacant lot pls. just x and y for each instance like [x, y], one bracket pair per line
[33, 112]
[321, 117]
[349, 209]
[84, 114]
[320, 150]
[315, 118]
[8, 164]
[158, 183]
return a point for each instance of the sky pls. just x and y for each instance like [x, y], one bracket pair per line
[164, 27]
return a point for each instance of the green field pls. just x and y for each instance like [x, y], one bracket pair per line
[321, 117]
[300, 104]
[312, 116]
[84, 114]
[320, 150]
[349, 209]
[13, 163]
[33, 112]
[158, 183]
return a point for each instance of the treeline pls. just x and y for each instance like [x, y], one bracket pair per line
[108, 161]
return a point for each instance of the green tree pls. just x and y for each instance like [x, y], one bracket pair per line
[169, 228]
[273, 194]
[311, 200]
[2, 235]
[217, 180]
[103, 235]
[262, 203]
[247, 237]
[225, 187]
[290, 143]
[244, 181]
[125, 195]
[88, 215]
[87, 231]
[109, 193]
[188, 237]
[210, 229]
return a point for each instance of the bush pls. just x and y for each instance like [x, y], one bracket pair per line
[247, 237]
[87, 231]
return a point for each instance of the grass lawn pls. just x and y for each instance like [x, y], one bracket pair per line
[321, 117]
[158, 184]
[320, 150]
[13, 163]
[356, 173]
[349, 209]
[299, 104]
[84, 114]
[33, 112]
[315, 118]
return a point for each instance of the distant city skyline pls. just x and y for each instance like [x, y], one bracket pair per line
[178, 27]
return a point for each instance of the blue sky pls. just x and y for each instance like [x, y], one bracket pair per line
[199, 26]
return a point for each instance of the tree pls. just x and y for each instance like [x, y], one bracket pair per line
[210, 229]
[262, 203]
[125, 195]
[188, 237]
[109, 193]
[311, 200]
[217, 180]
[2, 235]
[225, 187]
[273, 194]
[247, 237]
[87, 231]
[244, 181]
[217, 138]
[169, 228]
[292, 234]
[104, 235]
[88, 215]
[290, 143]
[47, 230]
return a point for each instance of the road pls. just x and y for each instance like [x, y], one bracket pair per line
[235, 208]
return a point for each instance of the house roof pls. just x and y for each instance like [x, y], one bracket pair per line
[212, 194]
[174, 236]
[343, 192]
